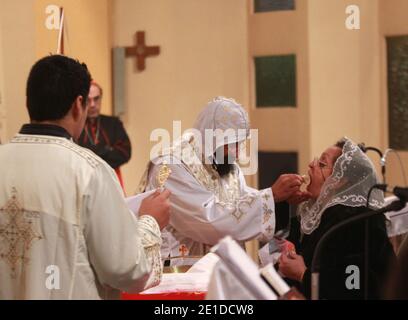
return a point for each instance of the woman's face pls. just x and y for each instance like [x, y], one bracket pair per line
[321, 168]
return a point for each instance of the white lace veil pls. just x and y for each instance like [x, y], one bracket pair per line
[349, 184]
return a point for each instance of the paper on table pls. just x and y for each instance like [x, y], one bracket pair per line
[134, 202]
[181, 282]
[243, 268]
[194, 280]
[205, 264]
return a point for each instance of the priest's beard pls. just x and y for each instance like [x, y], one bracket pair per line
[224, 168]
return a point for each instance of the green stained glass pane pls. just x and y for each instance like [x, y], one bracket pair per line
[273, 5]
[397, 56]
[275, 78]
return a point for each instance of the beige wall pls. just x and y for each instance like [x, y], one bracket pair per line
[274, 33]
[348, 79]
[2, 107]
[24, 39]
[17, 55]
[344, 74]
[203, 54]
[88, 38]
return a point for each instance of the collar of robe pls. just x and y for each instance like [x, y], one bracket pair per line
[45, 130]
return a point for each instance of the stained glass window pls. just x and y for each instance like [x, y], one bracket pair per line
[273, 5]
[275, 78]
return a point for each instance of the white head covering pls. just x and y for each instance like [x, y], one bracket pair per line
[223, 121]
[352, 178]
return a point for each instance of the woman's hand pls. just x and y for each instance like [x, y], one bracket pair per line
[292, 266]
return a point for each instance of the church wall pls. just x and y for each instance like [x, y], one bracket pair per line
[393, 22]
[87, 38]
[17, 53]
[203, 54]
[282, 129]
[335, 74]
[344, 75]
[2, 106]
[22, 44]
[393, 17]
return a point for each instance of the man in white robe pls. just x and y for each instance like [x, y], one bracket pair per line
[209, 199]
[65, 230]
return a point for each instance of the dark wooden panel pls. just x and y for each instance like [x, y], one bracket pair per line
[271, 166]
[397, 49]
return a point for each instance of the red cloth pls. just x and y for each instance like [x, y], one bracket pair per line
[165, 296]
[119, 174]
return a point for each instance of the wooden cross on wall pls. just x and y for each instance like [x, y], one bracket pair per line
[141, 51]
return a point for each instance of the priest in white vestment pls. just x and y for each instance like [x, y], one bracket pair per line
[65, 230]
[211, 199]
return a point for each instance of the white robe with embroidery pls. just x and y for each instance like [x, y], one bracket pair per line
[200, 218]
[65, 230]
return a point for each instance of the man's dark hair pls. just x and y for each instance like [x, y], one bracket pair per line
[53, 85]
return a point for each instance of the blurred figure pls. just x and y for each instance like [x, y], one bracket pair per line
[105, 135]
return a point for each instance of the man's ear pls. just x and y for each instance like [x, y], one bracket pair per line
[77, 108]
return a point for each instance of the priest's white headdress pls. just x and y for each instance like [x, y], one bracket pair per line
[349, 184]
[222, 122]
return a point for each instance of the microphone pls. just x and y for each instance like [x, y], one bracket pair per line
[383, 157]
[383, 160]
[363, 148]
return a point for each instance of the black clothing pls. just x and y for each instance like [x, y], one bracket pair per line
[45, 130]
[107, 137]
[345, 248]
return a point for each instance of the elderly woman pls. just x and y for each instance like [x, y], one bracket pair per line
[339, 184]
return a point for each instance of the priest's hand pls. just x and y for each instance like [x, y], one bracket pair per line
[292, 266]
[299, 197]
[286, 187]
[157, 205]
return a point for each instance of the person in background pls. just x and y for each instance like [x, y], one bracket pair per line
[105, 135]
